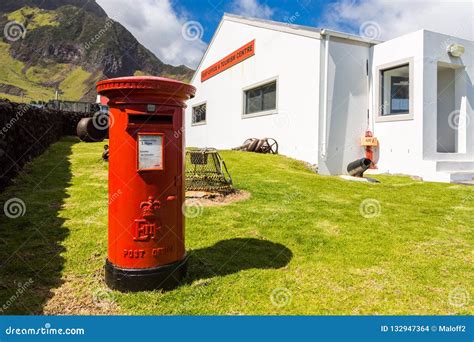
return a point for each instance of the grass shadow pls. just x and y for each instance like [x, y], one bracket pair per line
[235, 255]
[32, 231]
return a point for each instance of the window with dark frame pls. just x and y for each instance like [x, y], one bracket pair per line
[260, 99]
[395, 90]
[199, 114]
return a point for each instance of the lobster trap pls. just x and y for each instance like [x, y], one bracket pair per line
[207, 171]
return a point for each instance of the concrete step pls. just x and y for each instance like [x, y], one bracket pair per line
[455, 166]
[461, 177]
[471, 183]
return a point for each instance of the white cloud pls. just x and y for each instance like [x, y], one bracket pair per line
[395, 18]
[159, 28]
[252, 8]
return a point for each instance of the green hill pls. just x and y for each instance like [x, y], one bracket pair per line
[68, 47]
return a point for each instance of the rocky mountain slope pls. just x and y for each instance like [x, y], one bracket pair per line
[68, 45]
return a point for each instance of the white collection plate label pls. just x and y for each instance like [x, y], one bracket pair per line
[150, 151]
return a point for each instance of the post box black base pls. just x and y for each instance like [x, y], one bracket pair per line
[166, 277]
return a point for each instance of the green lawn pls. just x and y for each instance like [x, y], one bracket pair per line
[299, 245]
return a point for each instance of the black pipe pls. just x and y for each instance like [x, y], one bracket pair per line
[358, 167]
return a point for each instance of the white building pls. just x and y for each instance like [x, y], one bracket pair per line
[317, 91]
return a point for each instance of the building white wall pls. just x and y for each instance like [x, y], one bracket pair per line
[297, 62]
[400, 147]
[292, 59]
[347, 104]
[411, 146]
[435, 55]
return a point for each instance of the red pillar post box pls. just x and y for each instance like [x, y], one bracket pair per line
[146, 182]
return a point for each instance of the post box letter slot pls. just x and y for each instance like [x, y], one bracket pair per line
[150, 119]
[150, 151]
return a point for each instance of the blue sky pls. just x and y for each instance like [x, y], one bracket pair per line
[209, 12]
[178, 31]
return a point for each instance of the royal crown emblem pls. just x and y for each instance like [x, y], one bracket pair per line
[149, 208]
[146, 228]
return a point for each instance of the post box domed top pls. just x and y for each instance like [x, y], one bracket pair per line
[145, 88]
